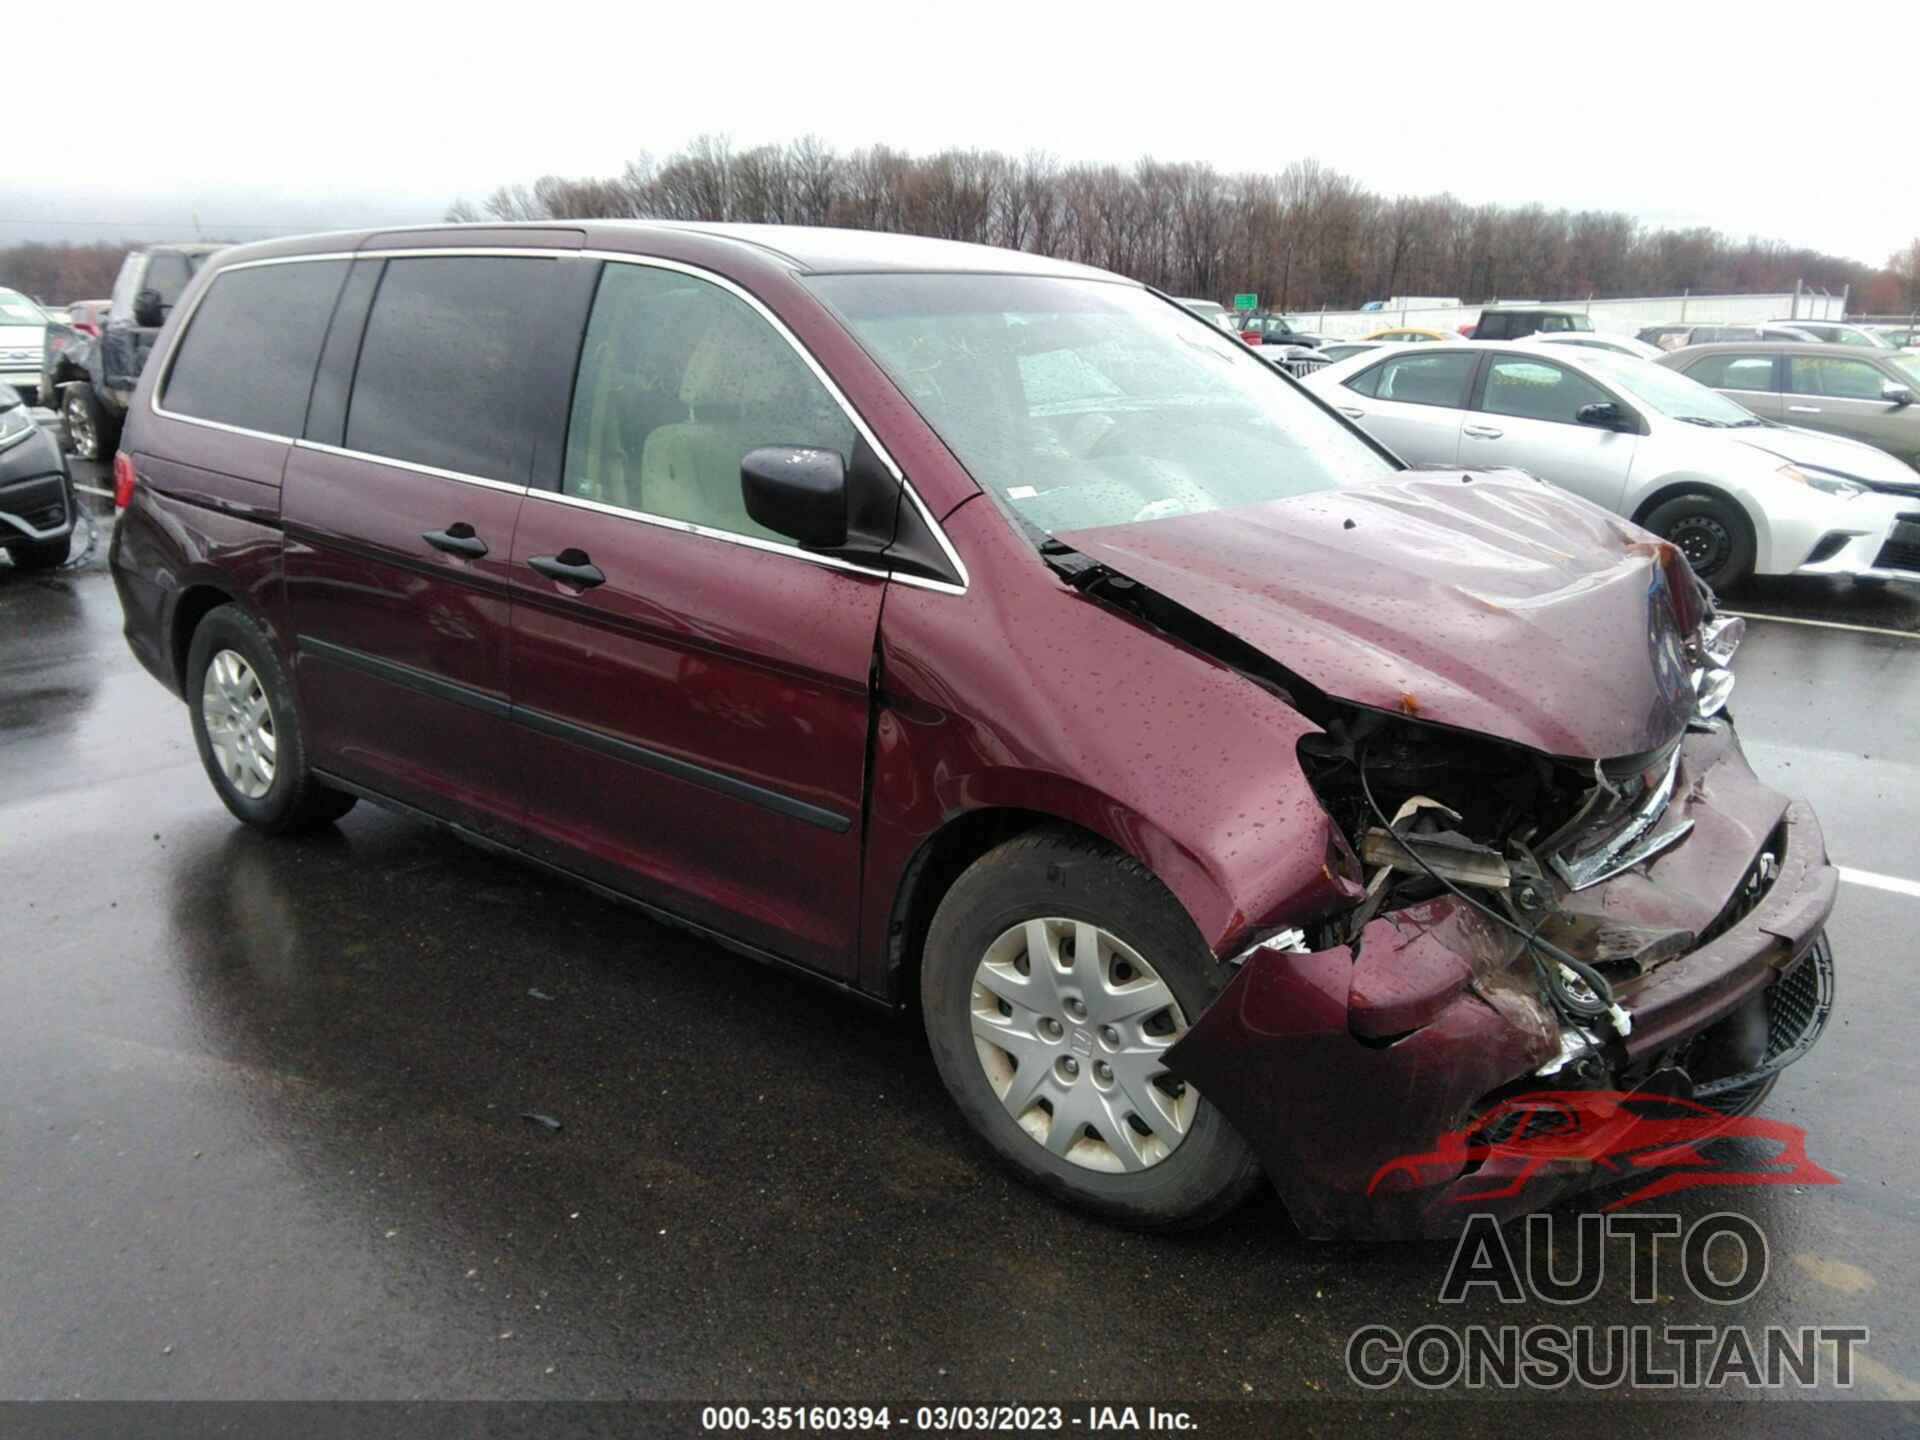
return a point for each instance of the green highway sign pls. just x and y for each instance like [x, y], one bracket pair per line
[1246, 302]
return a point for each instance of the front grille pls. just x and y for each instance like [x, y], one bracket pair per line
[1794, 1001]
[1305, 364]
[1797, 1007]
[1753, 886]
[1902, 550]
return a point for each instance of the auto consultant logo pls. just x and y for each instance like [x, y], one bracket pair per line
[1662, 1141]
[1549, 1356]
[1660, 1137]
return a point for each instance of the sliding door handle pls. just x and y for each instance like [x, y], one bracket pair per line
[1482, 432]
[1804, 409]
[570, 567]
[457, 539]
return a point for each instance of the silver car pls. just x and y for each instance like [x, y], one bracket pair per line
[23, 340]
[1738, 495]
[1851, 390]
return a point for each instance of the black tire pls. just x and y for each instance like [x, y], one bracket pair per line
[40, 554]
[1056, 872]
[91, 433]
[294, 800]
[1712, 532]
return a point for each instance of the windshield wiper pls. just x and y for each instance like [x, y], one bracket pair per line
[1743, 424]
[1701, 420]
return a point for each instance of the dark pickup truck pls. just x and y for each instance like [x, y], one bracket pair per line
[91, 380]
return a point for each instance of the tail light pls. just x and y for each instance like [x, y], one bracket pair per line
[1252, 337]
[122, 480]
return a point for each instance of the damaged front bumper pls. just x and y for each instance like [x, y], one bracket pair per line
[1336, 1063]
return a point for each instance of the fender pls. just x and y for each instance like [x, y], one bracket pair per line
[1000, 721]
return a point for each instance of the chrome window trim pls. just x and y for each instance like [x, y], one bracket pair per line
[619, 257]
[751, 542]
[413, 465]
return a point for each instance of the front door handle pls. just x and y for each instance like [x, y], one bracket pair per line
[1351, 412]
[457, 539]
[1804, 409]
[571, 566]
[1482, 432]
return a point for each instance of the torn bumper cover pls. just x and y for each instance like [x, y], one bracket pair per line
[1336, 1063]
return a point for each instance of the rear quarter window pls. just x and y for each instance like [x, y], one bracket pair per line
[250, 349]
[446, 375]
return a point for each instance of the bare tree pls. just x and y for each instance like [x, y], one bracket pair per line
[1306, 236]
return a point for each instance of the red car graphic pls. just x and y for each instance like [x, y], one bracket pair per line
[1617, 1131]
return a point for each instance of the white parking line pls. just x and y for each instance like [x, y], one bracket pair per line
[1826, 624]
[1881, 882]
[92, 490]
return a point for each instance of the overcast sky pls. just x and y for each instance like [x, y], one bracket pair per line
[1679, 113]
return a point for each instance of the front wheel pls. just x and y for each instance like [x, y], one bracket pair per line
[1057, 973]
[248, 731]
[1711, 532]
[92, 434]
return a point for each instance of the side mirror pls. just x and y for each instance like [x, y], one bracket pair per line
[1603, 413]
[1897, 395]
[797, 492]
[148, 309]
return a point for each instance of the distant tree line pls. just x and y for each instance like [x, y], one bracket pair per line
[58, 273]
[1307, 237]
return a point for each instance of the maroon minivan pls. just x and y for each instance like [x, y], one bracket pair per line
[987, 634]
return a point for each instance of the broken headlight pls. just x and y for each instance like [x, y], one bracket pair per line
[1713, 646]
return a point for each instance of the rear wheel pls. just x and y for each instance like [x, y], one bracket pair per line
[1057, 973]
[1711, 532]
[248, 731]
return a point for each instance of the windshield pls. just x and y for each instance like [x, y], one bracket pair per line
[1082, 403]
[16, 309]
[1667, 392]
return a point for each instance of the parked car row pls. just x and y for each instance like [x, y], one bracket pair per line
[1003, 642]
[1872, 395]
[1738, 494]
[94, 380]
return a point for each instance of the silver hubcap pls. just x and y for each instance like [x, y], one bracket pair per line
[239, 724]
[1071, 1026]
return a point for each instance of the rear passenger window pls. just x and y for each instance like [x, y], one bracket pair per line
[1421, 379]
[678, 380]
[1733, 372]
[1534, 390]
[248, 356]
[446, 374]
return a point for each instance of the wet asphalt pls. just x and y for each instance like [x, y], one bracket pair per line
[371, 1114]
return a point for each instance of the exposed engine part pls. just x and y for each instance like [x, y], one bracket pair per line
[1289, 939]
[1445, 854]
[1580, 1049]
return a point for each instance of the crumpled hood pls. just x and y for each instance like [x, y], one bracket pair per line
[1493, 604]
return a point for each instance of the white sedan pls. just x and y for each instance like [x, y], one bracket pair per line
[1599, 340]
[1737, 494]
